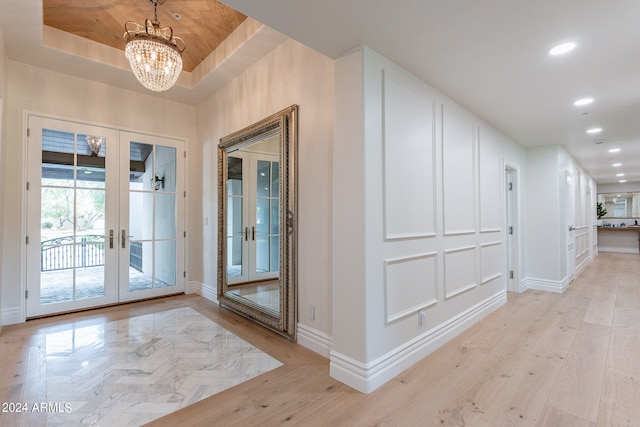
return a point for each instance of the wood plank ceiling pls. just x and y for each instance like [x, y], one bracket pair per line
[203, 24]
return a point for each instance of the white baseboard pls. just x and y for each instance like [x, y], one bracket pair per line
[367, 377]
[547, 285]
[11, 316]
[203, 290]
[618, 250]
[314, 340]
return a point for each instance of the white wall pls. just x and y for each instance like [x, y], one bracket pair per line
[419, 239]
[3, 89]
[623, 187]
[547, 203]
[48, 92]
[290, 74]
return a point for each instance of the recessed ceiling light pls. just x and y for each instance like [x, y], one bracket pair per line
[623, 180]
[614, 150]
[594, 130]
[619, 174]
[562, 48]
[617, 165]
[583, 101]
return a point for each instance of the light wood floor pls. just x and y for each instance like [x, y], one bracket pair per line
[541, 360]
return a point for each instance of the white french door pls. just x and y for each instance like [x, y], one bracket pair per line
[253, 212]
[90, 188]
[151, 233]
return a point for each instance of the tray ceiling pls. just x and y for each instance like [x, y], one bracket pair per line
[203, 24]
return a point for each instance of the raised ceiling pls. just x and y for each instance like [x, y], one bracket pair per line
[203, 24]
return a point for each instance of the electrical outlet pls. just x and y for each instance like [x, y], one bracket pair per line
[422, 315]
[311, 312]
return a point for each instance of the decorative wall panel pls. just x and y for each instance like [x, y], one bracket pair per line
[409, 168]
[411, 284]
[491, 261]
[459, 170]
[491, 182]
[459, 270]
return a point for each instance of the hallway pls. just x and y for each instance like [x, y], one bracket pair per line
[542, 359]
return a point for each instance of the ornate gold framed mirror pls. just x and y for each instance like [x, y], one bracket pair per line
[257, 216]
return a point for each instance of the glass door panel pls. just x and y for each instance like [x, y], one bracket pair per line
[67, 221]
[267, 229]
[237, 228]
[253, 214]
[152, 217]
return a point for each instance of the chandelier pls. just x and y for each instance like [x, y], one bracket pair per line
[95, 142]
[154, 53]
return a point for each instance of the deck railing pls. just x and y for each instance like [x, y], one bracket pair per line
[63, 253]
[58, 253]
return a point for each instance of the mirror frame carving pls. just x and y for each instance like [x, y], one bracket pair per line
[286, 121]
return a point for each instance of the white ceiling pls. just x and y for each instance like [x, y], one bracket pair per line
[490, 56]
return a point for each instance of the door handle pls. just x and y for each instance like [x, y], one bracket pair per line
[246, 234]
[253, 233]
[124, 238]
[110, 239]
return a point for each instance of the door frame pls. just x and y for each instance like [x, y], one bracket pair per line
[22, 315]
[512, 219]
[570, 225]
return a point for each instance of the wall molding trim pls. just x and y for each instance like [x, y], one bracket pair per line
[546, 285]
[11, 316]
[618, 250]
[202, 289]
[315, 340]
[367, 377]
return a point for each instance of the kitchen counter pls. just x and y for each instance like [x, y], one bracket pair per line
[619, 239]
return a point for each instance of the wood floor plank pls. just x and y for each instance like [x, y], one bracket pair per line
[602, 307]
[624, 350]
[620, 397]
[521, 401]
[554, 417]
[579, 384]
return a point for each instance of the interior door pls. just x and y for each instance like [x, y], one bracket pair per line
[511, 216]
[71, 210]
[571, 234]
[152, 232]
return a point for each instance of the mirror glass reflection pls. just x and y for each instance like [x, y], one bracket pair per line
[253, 222]
[256, 222]
[620, 205]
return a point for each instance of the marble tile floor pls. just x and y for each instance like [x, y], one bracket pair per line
[132, 371]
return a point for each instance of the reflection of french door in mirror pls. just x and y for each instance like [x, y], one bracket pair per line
[253, 209]
[102, 216]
